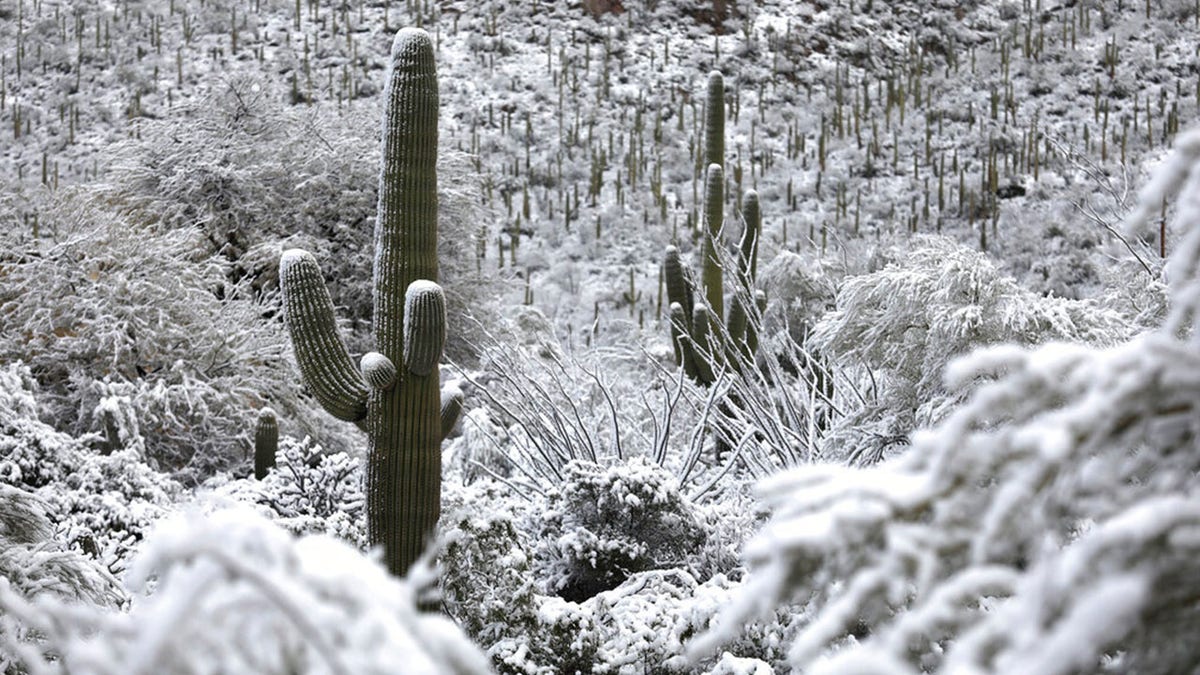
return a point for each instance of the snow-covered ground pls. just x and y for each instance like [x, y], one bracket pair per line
[934, 178]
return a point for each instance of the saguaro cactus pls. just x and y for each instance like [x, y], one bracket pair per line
[700, 348]
[394, 395]
[266, 442]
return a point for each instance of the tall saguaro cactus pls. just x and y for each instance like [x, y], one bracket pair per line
[701, 348]
[394, 394]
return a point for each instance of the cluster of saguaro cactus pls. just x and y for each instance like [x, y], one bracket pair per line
[394, 394]
[700, 347]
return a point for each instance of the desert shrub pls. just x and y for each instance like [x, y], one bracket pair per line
[112, 309]
[100, 505]
[487, 583]
[232, 592]
[905, 322]
[33, 562]
[255, 176]
[1043, 526]
[308, 492]
[605, 523]
[108, 504]
[32, 454]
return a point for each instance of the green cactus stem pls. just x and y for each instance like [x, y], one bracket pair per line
[705, 354]
[266, 442]
[714, 121]
[681, 340]
[321, 353]
[395, 395]
[451, 411]
[711, 275]
[747, 264]
[424, 326]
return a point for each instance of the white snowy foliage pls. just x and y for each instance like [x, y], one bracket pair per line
[1050, 524]
[233, 593]
[308, 492]
[905, 322]
[113, 308]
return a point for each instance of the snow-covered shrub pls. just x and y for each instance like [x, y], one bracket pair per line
[106, 506]
[309, 492]
[234, 593]
[1048, 525]
[100, 505]
[904, 323]
[799, 293]
[32, 562]
[32, 454]
[486, 579]
[605, 523]
[256, 176]
[644, 623]
[136, 311]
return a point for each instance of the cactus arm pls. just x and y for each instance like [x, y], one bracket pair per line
[744, 288]
[679, 288]
[424, 326]
[681, 341]
[711, 276]
[452, 407]
[324, 362]
[378, 371]
[266, 442]
[752, 212]
[704, 352]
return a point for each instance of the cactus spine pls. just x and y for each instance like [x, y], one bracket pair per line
[395, 396]
[266, 442]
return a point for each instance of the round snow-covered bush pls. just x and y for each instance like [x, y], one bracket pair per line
[106, 506]
[604, 524]
[487, 584]
[308, 492]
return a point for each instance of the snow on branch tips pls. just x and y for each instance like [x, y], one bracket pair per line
[1050, 524]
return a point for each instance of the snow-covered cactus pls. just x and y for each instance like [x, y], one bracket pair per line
[712, 275]
[266, 442]
[700, 348]
[714, 121]
[395, 396]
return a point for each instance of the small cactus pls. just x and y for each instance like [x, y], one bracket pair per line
[266, 443]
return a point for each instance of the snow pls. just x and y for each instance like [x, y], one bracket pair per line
[966, 444]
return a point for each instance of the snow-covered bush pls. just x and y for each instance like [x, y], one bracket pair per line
[487, 584]
[112, 308]
[32, 562]
[309, 492]
[108, 504]
[256, 177]
[234, 593]
[905, 322]
[1048, 525]
[605, 523]
[32, 454]
[100, 505]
